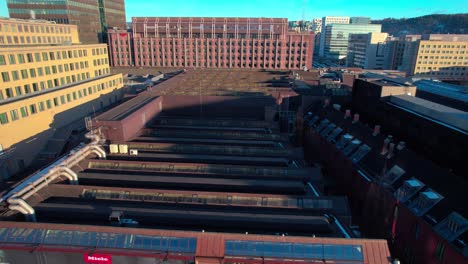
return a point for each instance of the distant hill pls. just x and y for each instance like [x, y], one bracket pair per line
[430, 24]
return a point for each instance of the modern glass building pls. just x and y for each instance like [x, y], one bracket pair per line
[337, 38]
[93, 17]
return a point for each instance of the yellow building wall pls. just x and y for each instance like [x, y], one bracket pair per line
[28, 32]
[442, 59]
[86, 61]
[25, 127]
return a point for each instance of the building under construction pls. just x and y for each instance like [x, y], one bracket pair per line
[186, 179]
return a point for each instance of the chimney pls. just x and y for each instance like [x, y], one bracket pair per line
[385, 146]
[356, 118]
[376, 130]
[401, 145]
[347, 113]
[391, 151]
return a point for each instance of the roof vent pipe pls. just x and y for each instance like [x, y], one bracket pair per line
[391, 150]
[401, 145]
[356, 118]
[347, 114]
[385, 146]
[376, 130]
[326, 103]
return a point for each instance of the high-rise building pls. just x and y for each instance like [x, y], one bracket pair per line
[254, 43]
[93, 17]
[367, 50]
[327, 21]
[317, 25]
[337, 37]
[47, 81]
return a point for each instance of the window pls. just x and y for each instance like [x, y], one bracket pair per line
[8, 92]
[48, 104]
[18, 90]
[5, 76]
[32, 73]
[14, 115]
[44, 56]
[62, 99]
[12, 59]
[47, 70]
[56, 102]
[30, 57]
[41, 106]
[24, 111]
[2, 60]
[32, 109]
[20, 58]
[3, 118]
[40, 72]
[1, 95]
[37, 56]
[15, 75]
[24, 74]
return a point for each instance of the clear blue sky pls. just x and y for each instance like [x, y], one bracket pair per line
[292, 9]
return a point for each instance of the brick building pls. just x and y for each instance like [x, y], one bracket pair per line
[255, 43]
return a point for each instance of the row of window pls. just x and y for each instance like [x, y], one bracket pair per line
[226, 51]
[41, 71]
[443, 57]
[444, 51]
[443, 62]
[32, 109]
[34, 40]
[298, 58]
[39, 86]
[42, 56]
[223, 43]
[428, 46]
[50, 28]
[232, 65]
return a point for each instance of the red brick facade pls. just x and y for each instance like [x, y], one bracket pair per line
[257, 43]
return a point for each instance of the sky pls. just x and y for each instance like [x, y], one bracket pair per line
[291, 9]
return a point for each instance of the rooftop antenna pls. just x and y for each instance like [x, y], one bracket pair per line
[32, 14]
[304, 2]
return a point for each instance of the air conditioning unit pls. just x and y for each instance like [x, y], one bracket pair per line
[134, 152]
[123, 149]
[113, 148]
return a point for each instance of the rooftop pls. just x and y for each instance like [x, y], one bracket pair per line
[452, 91]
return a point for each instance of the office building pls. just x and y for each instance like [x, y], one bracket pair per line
[92, 17]
[325, 22]
[336, 38]
[252, 43]
[367, 50]
[443, 57]
[317, 25]
[47, 81]
[185, 178]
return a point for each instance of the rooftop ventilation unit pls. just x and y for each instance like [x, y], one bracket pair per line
[360, 153]
[453, 226]
[345, 139]
[332, 137]
[327, 130]
[408, 189]
[134, 152]
[351, 147]
[322, 125]
[313, 121]
[393, 174]
[425, 201]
